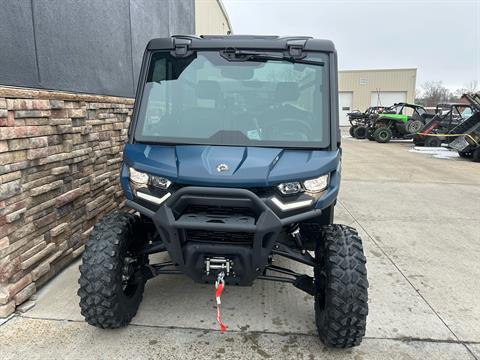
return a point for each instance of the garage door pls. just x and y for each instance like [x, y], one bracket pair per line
[387, 98]
[345, 100]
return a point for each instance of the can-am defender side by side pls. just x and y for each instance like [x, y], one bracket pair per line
[233, 159]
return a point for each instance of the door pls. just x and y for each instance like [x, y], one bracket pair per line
[345, 102]
[387, 98]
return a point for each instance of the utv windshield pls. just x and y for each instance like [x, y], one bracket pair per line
[260, 101]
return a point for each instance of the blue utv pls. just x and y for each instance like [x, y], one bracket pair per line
[233, 159]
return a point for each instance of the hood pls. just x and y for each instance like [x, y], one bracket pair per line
[240, 166]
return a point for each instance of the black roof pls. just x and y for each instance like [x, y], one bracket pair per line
[267, 42]
[409, 105]
[453, 104]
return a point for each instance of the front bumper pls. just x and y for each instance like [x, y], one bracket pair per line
[197, 223]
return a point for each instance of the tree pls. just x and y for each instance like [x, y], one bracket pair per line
[418, 97]
[433, 93]
[469, 87]
[472, 86]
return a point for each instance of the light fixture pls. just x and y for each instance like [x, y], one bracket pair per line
[160, 182]
[317, 184]
[153, 199]
[290, 205]
[138, 177]
[290, 188]
[142, 179]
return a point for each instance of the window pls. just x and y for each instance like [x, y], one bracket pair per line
[206, 99]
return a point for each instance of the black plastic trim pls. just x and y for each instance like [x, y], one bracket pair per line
[252, 42]
[250, 259]
[141, 209]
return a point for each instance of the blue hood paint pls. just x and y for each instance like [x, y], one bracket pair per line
[248, 166]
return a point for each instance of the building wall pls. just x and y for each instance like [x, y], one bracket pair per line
[60, 156]
[60, 152]
[88, 46]
[363, 82]
[211, 18]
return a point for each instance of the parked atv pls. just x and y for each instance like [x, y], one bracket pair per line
[361, 121]
[233, 159]
[400, 121]
[438, 130]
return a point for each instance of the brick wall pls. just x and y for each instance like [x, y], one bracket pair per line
[59, 165]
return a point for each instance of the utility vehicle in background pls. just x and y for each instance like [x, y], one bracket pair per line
[233, 159]
[468, 142]
[438, 130]
[360, 121]
[400, 121]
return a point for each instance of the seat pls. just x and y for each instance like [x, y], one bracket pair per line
[207, 117]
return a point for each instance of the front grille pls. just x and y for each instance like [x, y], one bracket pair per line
[223, 237]
[218, 210]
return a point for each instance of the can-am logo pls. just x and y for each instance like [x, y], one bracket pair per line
[222, 167]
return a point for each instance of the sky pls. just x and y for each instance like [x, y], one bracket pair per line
[439, 38]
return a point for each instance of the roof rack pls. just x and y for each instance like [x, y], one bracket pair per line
[296, 45]
[452, 104]
[295, 38]
[243, 37]
[181, 36]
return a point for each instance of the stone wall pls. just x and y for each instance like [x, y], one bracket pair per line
[59, 166]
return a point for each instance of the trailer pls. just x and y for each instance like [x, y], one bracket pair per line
[468, 143]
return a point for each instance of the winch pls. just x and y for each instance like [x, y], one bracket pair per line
[218, 263]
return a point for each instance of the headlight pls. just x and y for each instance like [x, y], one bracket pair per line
[138, 177]
[142, 179]
[160, 182]
[316, 185]
[290, 188]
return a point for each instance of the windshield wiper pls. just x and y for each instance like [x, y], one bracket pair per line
[242, 55]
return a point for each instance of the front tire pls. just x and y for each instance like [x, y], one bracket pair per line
[360, 132]
[111, 281]
[382, 135]
[341, 296]
[352, 130]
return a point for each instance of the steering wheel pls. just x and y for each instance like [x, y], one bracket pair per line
[287, 129]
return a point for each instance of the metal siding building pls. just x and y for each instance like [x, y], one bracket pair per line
[359, 89]
[211, 18]
[87, 46]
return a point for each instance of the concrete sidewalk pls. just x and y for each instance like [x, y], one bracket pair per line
[419, 220]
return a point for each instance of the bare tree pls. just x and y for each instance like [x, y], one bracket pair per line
[433, 93]
[469, 87]
[472, 86]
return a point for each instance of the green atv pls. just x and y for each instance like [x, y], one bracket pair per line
[400, 121]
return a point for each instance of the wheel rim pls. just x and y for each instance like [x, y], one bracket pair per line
[415, 127]
[130, 272]
[383, 135]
